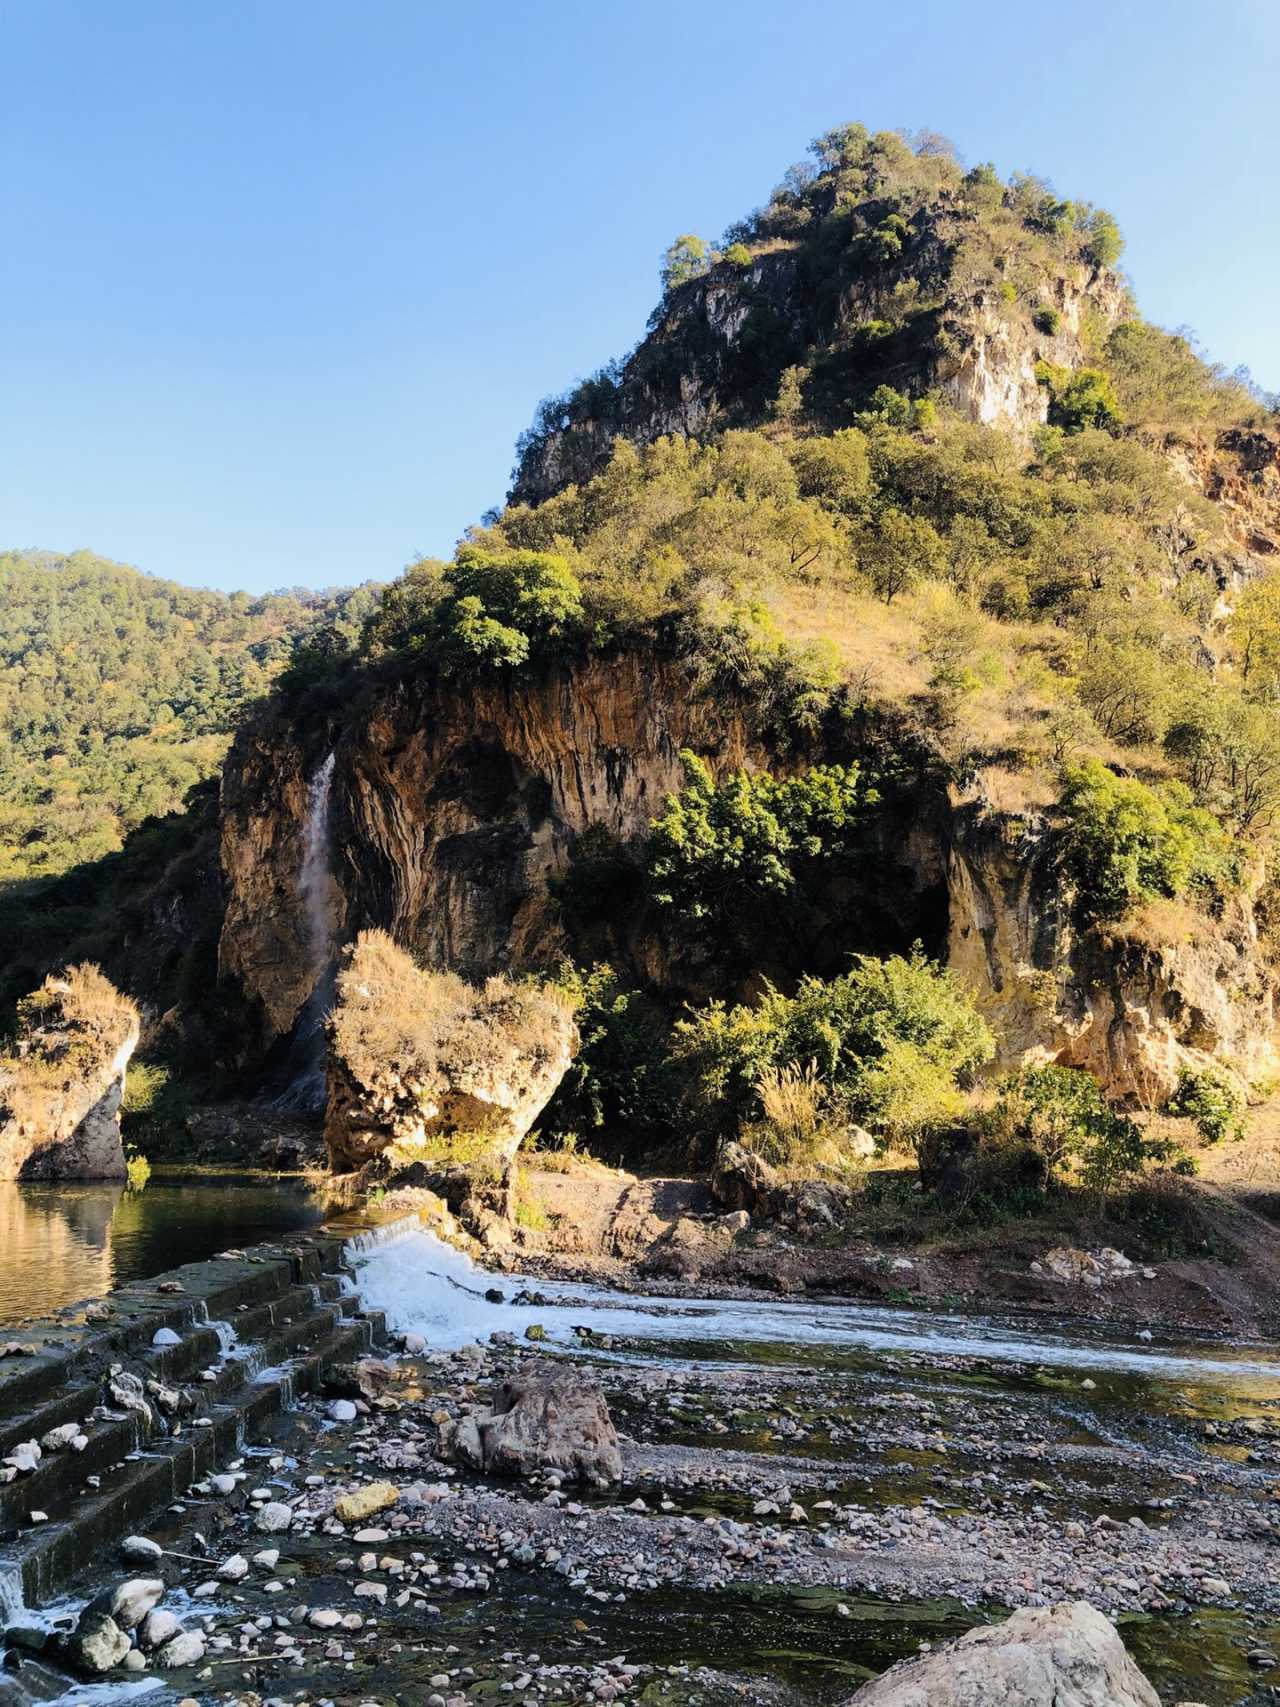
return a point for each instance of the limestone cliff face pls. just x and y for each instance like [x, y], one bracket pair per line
[1130, 1010]
[452, 806]
[986, 364]
[707, 362]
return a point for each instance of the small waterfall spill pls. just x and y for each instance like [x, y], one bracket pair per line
[10, 1594]
[228, 1339]
[318, 893]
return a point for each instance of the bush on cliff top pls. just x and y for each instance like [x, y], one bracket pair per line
[73, 1025]
[484, 608]
[1125, 842]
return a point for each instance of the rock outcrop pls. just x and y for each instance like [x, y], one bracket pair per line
[429, 1067]
[1130, 1007]
[1061, 1656]
[555, 1422]
[62, 1082]
[453, 813]
[702, 366]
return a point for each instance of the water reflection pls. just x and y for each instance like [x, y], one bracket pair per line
[60, 1244]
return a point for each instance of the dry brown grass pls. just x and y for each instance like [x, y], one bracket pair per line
[1164, 923]
[391, 1017]
[71, 1027]
[797, 1132]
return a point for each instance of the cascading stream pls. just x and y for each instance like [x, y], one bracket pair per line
[315, 877]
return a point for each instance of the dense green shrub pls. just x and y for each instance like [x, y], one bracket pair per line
[1212, 1100]
[484, 608]
[1061, 1114]
[623, 1078]
[889, 1041]
[1125, 842]
[1048, 321]
[1085, 398]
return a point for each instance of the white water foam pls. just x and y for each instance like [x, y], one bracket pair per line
[228, 1338]
[11, 1605]
[427, 1287]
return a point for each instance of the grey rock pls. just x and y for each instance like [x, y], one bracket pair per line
[157, 1628]
[97, 1643]
[1061, 1656]
[545, 1422]
[184, 1649]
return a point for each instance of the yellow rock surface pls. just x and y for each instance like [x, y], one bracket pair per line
[354, 1508]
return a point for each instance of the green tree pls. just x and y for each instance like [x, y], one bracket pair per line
[1061, 1114]
[747, 851]
[1085, 398]
[900, 552]
[1124, 842]
[687, 258]
[1212, 1100]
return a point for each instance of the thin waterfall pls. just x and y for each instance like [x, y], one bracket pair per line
[315, 878]
[318, 893]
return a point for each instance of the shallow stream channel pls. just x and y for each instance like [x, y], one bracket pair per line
[810, 1491]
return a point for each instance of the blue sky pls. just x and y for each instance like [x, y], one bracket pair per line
[283, 282]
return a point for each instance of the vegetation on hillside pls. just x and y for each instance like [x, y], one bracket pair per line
[857, 273]
[119, 693]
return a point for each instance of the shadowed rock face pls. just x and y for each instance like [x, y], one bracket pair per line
[454, 808]
[701, 365]
[1061, 1656]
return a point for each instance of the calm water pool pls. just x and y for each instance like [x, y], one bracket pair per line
[63, 1243]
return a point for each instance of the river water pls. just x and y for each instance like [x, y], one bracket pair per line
[63, 1244]
[1091, 1423]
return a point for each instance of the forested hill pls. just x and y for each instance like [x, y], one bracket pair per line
[119, 692]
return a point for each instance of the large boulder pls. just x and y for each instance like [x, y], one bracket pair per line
[1060, 1656]
[62, 1080]
[432, 1069]
[539, 1422]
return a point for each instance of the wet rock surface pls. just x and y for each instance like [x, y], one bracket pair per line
[554, 1422]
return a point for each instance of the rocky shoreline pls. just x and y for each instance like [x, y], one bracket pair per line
[357, 1552]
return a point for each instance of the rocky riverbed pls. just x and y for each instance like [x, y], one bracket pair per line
[786, 1521]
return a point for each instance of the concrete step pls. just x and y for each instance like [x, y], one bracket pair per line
[292, 1321]
[60, 1475]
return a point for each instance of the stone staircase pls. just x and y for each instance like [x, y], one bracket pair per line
[239, 1337]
